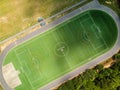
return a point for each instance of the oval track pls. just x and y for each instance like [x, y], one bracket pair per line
[92, 5]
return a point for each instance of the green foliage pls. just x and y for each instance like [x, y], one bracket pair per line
[99, 67]
[114, 4]
[96, 79]
[117, 56]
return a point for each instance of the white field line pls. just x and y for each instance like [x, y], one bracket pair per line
[87, 36]
[99, 45]
[64, 55]
[32, 57]
[102, 37]
[48, 51]
[55, 37]
[35, 58]
[85, 20]
[72, 34]
[25, 65]
[92, 26]
[18, 57]
[29, 81]
[98, 30]
[97, 37]
[74, 38]
[38, 80]
[60, 36]
[23, 69]
[104, 41]
[19, 52]
[22, 64]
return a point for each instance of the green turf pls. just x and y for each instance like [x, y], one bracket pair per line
[63, 48]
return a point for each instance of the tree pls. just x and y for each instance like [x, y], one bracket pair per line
[96, 79]
[117, 56]
[118, 1]
[118, 88]
[99, 67]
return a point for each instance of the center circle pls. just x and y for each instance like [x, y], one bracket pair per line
[61, 49]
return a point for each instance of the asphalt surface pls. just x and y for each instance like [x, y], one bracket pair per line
[92, 5]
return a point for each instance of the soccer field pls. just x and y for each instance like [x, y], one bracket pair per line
[63, 48]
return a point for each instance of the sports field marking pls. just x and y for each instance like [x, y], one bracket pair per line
[62, 48]
[66, 46]
[85, 20]
[103, 40]
[70, 32]
[29, 81]
[32, 60]
[94, 23]
[19, 52]
[85, 32]
[98, 36]
[23, 71]
[21, 61]
[65, 54]
[93, 27]
[98, 30]
[92, 45]
[28, 70]
[18, 57]
[42, 34]
[87, 36]
[81, 50]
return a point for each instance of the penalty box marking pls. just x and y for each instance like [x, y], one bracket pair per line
[32, 59]
[25, 64]
[67, 47]
[66, 57]
[98, 30]
[87, 36]
[21, 61]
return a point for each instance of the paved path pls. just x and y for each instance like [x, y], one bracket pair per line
[92, 5]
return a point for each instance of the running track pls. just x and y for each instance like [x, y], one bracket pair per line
[92, 5]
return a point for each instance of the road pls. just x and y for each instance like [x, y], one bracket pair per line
[93, 5]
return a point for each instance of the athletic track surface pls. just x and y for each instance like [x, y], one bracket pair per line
[92, 5]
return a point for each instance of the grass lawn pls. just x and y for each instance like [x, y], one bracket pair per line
[16, 15]
[1, 88]
[63, 48]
